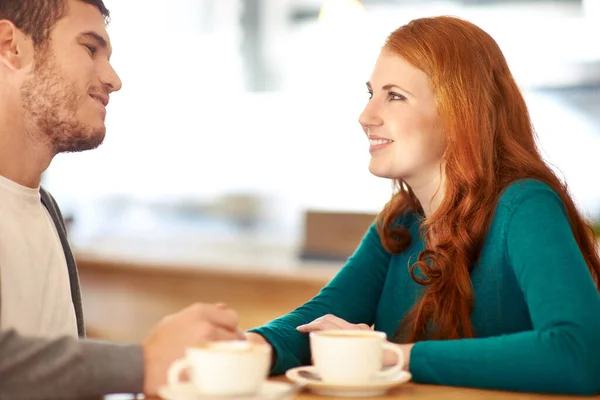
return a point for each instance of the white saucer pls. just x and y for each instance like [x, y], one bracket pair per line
[309, 378]
[269, 391]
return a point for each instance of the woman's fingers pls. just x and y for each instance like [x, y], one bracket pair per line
[328, 322]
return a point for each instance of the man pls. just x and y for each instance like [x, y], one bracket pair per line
[55, 83]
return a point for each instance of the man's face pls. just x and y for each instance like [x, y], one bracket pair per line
[65, 95]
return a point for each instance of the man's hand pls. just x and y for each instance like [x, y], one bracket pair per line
[190, 327]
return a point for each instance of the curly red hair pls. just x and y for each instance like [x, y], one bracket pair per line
[490, 144]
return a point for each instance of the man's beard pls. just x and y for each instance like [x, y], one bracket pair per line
[50, 103]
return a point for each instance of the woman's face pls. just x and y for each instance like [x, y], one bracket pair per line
[402, 123]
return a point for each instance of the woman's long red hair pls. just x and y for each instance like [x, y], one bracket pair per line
[490, 143]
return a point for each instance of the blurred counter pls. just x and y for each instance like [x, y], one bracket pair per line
[129, 286]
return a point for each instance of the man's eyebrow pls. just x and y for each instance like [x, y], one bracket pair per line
[94, 36]
[99, 39]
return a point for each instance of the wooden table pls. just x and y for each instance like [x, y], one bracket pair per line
[424, 392]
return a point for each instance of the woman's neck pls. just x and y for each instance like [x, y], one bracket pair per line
[429, 190]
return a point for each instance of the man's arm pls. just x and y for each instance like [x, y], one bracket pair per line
[67, 368]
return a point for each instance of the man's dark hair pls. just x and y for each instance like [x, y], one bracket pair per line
[36, 18]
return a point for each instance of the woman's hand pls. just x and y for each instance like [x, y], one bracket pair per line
[330, 322]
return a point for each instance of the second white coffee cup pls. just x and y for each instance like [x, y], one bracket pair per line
[352, 356]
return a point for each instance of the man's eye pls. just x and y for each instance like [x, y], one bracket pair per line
[92, 49]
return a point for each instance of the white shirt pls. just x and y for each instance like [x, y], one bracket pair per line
[35, 293]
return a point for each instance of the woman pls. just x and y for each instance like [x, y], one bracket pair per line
[501, 286]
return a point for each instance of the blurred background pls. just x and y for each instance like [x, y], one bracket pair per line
[236, 127]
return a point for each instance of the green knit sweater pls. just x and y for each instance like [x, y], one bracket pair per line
[536, 314]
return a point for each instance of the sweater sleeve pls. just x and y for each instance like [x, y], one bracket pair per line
[562, 352]
[352, 295]
[67, 368]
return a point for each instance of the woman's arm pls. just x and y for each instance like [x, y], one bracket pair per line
[562, 353]
[352, 295]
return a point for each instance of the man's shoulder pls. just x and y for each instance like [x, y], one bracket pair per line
[47, 197]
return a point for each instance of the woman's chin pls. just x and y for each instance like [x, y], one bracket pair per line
[381, 172]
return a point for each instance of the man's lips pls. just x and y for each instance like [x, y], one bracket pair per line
[102, 98]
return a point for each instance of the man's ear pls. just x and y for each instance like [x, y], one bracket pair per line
[14, 46]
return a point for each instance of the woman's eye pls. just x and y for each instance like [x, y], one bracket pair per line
[396, 96]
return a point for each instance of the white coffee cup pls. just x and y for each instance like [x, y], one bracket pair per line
[224, 368]
[352, 356]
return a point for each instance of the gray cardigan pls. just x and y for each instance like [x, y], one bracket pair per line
[66, 368]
